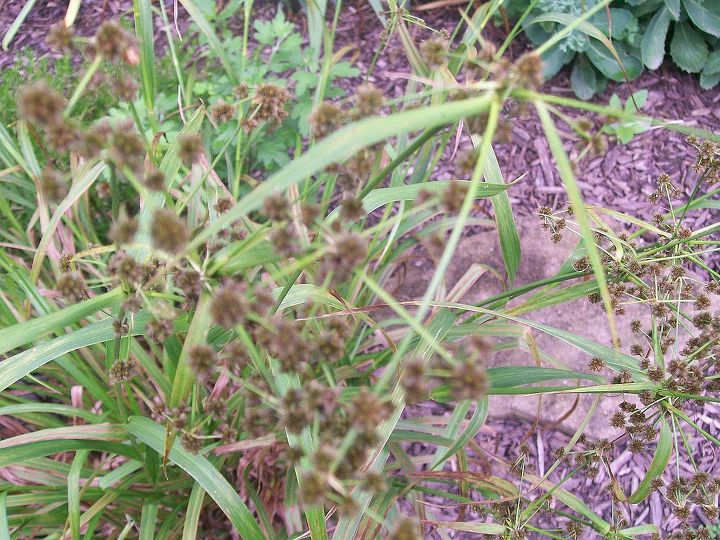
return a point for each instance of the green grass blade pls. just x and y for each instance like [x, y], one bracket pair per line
[316, 24]
[148, 518]
[16, 367]
[184, 375]
[144, 32]
[663, 451]
[473, 426]
[4, 525]
[28, 331]
[192, 514]
[580, 212]
[204, 474]
[169, 166]
[79, 187]
[17, 23]
[73, 496]
[504, 219]
[72, 11]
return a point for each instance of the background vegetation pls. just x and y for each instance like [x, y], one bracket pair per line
[196, 320]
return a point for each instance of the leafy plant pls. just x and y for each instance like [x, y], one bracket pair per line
[639, 30]
[625, 131]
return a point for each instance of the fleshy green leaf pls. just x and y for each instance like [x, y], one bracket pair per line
[688, 48]
[705, 15]
[608, 65]
[583, 78]
[652, 46]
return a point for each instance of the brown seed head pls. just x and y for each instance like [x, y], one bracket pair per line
[168, 232]
[41, 104]
[190, 148]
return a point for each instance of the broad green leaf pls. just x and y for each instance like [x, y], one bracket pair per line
[554, 59]
[673, 7]
[704, 14]
[688, 48]
[712, 66]
[583, 78]
[612, 67]
[652, 46]
[709, 81]
[204, 473]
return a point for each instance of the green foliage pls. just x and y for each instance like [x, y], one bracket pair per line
[640, 31]
[198, 302]
[626, 130]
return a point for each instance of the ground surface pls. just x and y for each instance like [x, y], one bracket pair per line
[621, 179]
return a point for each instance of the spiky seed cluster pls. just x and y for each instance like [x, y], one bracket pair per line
[434, 52]
[158, 330]
[222, 112]
[230, 305]
[203, 360]
[368, 100]
[527, 71]
[707, 162]
[276, 207]
[154, 180]
[94, 139]
[123, 371]
[72, 286]
[41, 104]
[60, 37]
[127, 147]
[413, 381]
[115, 43]
[168, 232]
[453, 197]
[469, 379]
[52, 185]
[124, 230]
[190, 148]
[351, 209]
[326, 118]
[270, 100]
[346, 251]
[405, 529]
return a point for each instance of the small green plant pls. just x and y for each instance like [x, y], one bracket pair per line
[639, 30]
[625, 131]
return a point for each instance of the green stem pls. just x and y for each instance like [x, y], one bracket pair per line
[82, 85]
